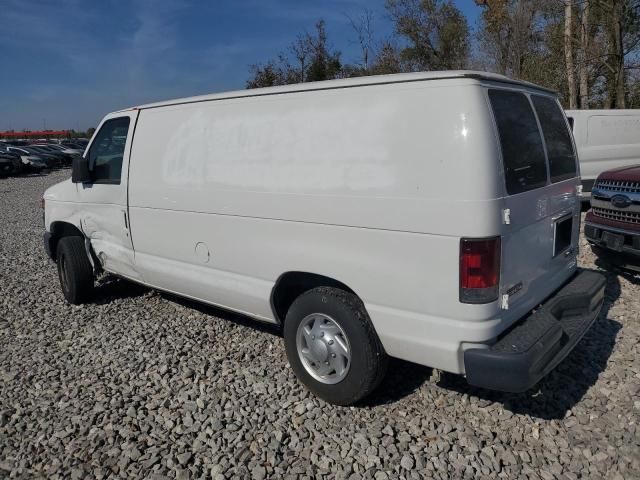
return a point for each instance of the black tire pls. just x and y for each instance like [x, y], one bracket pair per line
[368, 362]
[74, 270]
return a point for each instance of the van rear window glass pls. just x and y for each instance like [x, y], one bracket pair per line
[562, 159]
[525, 166]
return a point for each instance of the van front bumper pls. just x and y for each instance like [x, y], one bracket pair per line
[626, 254]
[537, 343]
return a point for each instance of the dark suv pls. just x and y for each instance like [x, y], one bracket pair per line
[612, 226]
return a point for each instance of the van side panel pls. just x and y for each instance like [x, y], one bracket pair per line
[226, 196]
[606, 139]
[324, 157]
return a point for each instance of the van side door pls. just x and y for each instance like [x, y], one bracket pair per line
[104, 215]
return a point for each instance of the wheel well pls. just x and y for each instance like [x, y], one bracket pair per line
[291, 285]
[60, 230]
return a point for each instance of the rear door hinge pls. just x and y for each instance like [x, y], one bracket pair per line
[506, 216]
[504, 304]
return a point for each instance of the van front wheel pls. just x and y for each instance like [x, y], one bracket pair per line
[332, 346]
[74, 270]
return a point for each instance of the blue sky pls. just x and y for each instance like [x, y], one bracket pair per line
[65, 63]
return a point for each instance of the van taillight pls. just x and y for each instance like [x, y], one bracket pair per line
[479, 269]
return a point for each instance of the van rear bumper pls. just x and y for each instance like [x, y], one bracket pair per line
[538, 342]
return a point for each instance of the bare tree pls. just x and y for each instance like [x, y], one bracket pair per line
[363, 28]
[588, 50]
[510, 34]
[583, 67]
[568, 53]
[302, 50]
[616, 58]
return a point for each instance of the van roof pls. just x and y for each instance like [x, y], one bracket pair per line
[346, 83]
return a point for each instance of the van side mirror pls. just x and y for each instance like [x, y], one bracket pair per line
[80, 172]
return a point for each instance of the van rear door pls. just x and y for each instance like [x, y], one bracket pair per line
[541, 213]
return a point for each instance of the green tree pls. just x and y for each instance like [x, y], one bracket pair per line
[325, 62]
[363, 28]
[435, 31]
[310, 58]
[587, 50]
[510, 35]
[267, 75]
[387, 60]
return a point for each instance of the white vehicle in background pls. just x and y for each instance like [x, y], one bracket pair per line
[432, 217]
[605, 139]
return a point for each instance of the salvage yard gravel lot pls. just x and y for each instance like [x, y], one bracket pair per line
[142, 384]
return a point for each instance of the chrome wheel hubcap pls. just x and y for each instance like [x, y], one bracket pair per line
[323, 348]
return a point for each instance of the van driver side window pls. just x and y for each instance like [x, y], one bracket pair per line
[107, 150]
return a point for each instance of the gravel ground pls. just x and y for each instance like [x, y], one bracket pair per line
[141, 384]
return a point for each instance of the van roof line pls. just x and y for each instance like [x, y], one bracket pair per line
[346, 83]
[611, 111]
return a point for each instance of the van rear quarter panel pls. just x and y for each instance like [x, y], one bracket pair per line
[372, 186]
[606, 139]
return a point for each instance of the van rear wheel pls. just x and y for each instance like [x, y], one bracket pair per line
[74, 270]
[332, 346]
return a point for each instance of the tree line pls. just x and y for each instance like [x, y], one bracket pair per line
[587, 50]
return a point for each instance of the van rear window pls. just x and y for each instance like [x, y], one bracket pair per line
[525, 166]
[562, 159]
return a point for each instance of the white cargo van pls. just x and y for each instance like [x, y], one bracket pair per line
[605, 139]
[431, 217]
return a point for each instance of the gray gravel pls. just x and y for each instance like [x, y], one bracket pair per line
[141, 384]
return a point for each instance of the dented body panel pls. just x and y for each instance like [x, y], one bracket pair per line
[372, 182]
[100, 212]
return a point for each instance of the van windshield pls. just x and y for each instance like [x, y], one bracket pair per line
[525, 166]
[562, 159]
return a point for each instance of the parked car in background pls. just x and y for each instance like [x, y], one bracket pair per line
[4, 148]
[54, 159]
[605, 139]
[65, 155]
[77, 146]
[79, 143]
[30, 160]
[7, 165]
[67, 149]
[612, 226]
[282, 204]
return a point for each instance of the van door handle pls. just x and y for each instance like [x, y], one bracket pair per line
[126, 222]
